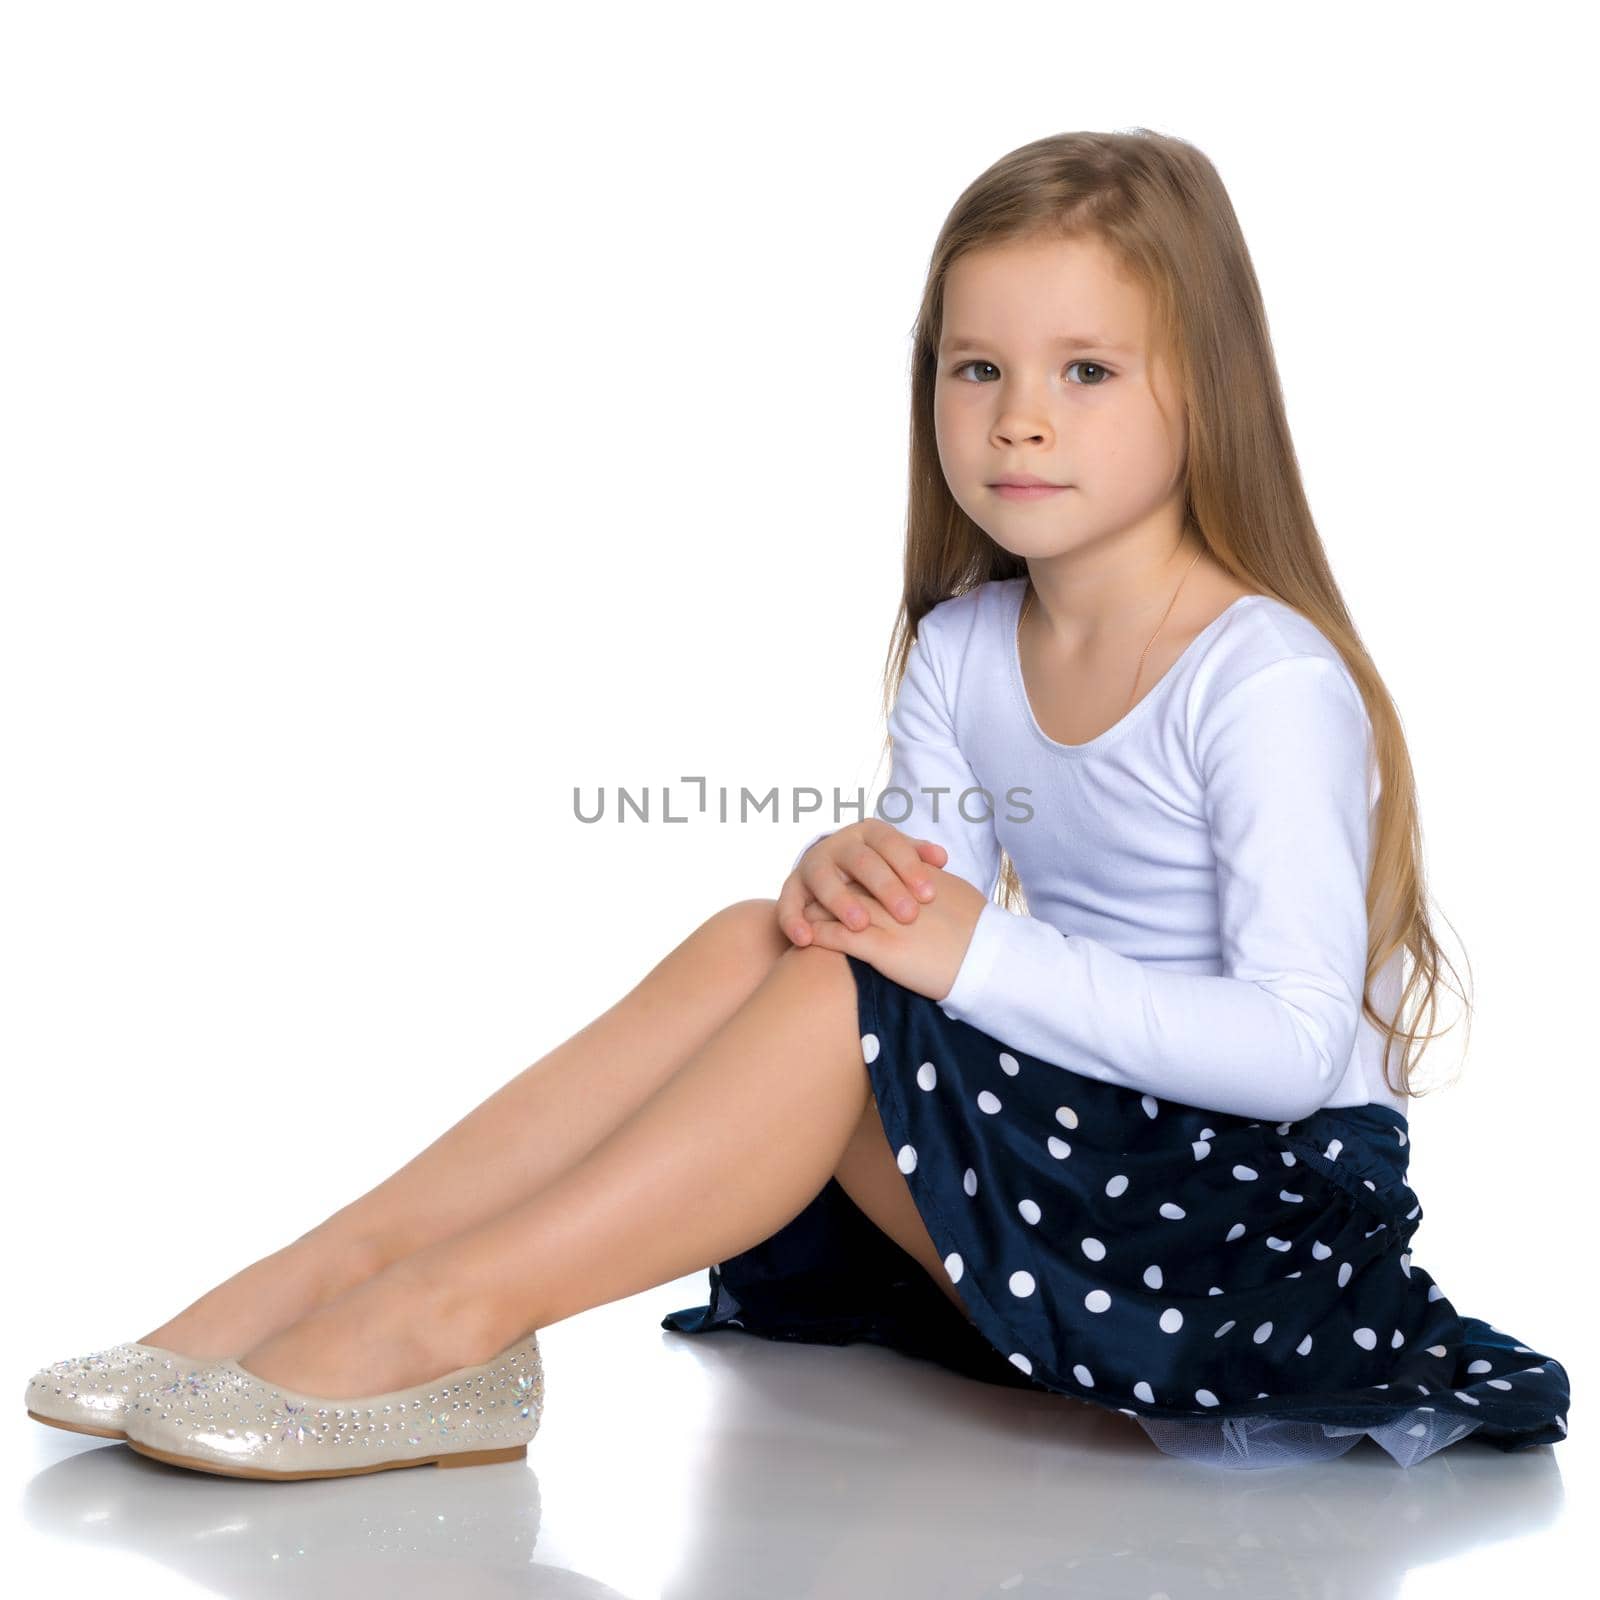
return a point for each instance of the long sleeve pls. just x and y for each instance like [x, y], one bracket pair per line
[1282, 757]
[929, 778]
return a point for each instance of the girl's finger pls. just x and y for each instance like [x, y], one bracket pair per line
[792, 900]
[831, 935]
[864, 945]
[843, 899]
[880, 879]
[905, 856]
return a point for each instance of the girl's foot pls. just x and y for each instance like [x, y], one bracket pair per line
[400, 1328]
[267, 1295]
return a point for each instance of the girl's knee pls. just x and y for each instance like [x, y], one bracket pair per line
[748, 929]
[827, 975]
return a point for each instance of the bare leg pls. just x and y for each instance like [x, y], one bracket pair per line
[869, 1173]
[527, 1133]
[735, 1145]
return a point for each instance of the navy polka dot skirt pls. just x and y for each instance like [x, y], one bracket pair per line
[1245, 1290]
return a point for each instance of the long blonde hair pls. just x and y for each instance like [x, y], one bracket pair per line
[1160, 207]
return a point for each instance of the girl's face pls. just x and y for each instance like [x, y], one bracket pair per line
[1043, 369]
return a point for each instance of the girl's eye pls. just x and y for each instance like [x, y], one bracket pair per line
[1094, 366]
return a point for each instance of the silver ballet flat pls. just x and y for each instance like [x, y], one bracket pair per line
[229, 1421]
[91, 1394]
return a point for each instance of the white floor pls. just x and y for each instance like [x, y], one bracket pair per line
[723, 1466]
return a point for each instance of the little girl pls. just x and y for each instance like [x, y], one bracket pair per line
[1148, 1132]
[1143, 1145]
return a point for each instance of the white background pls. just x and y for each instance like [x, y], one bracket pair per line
[412, 412]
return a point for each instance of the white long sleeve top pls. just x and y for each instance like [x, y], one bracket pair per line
[1195, 875]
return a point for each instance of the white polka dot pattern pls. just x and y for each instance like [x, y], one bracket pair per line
[1121, 1264]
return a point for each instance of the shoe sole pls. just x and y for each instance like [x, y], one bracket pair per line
[464, 1458]
[79, 1427]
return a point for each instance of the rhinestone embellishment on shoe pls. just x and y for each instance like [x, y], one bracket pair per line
[221, 1418]
[93, 1393]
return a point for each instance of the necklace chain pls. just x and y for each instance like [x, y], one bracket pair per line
[1028, 601]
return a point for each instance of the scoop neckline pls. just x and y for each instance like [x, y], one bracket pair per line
[1134, 712]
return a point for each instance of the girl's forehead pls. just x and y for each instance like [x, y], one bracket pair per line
[1054, 289]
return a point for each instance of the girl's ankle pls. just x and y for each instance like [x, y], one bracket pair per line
[294, 1281]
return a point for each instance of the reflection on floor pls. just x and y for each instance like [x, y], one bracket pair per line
[725, 1466]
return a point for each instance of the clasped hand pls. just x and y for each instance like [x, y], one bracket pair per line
[873, 875]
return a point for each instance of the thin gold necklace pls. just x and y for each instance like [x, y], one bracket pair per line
[1028, 601]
